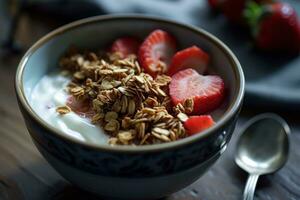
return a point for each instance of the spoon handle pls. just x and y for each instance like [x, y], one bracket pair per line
[250, 187]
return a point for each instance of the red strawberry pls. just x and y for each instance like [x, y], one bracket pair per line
[196, 124]
[275, 27]
[192, 57]
[214, 4]
[80, 107]
[156, 52]
[206, 91]
[125, 46]
[233, 10]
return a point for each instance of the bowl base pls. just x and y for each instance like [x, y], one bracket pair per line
[122, 188]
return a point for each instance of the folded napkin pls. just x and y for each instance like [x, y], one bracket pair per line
[272, 80]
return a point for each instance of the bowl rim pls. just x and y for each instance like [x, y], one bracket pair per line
[230, 112]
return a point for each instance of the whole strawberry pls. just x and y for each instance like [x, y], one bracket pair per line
[233, 10]
[275, 27]
[213, 4]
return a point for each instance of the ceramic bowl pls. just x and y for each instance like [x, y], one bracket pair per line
[126, 172]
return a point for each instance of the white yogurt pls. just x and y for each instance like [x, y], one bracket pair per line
[50, 93]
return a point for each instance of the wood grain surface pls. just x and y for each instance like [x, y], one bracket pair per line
[25, 175]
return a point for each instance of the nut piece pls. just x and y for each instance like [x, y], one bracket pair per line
[62, 110]
[140, 79]
[188, 105]
[106, 85]
[125, 136]
[182, 117]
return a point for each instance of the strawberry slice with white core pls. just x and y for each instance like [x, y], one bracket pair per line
[197, 124]
[156, 52]
[192, 57]
[206, 91]
[125, 46]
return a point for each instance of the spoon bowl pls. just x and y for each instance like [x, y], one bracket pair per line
[264, 145]
[262, 148]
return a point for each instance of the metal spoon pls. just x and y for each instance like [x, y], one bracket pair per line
[262, 148]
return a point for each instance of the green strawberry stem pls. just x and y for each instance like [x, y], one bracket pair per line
[253, 14]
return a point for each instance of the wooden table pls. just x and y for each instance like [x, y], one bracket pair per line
[24, 174]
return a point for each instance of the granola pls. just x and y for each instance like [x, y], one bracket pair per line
[131, 106]
[63, 110]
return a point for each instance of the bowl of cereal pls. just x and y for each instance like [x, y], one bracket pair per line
[130, 106]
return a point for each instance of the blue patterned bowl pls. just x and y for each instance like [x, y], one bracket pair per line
[143, 172]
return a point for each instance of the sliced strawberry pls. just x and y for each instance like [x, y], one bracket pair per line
[206, 91]
[156, 52]
[196, 124]
[125, 46]
[192, 57]
[80, 107]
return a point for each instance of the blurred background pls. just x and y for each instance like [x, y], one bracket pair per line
[272, 85]
[272, 77]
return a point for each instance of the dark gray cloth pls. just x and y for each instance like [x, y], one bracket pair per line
[272, 80]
